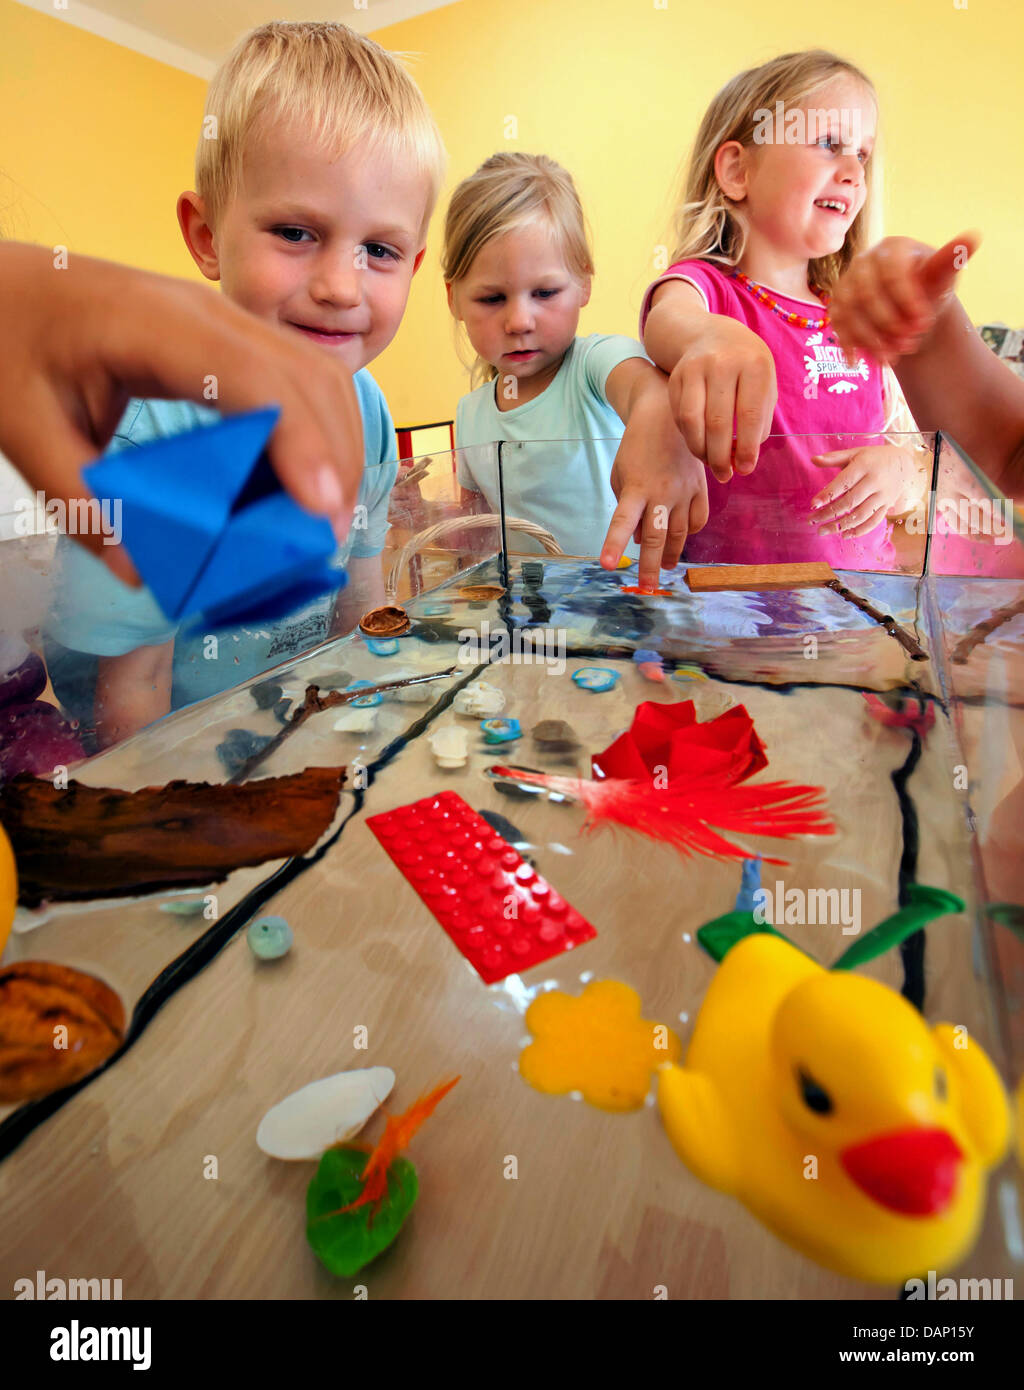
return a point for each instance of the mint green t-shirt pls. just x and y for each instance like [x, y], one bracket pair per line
[93, 612]
[563, 443]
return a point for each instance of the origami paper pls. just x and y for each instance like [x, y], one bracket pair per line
[668, 736]
[208, 525]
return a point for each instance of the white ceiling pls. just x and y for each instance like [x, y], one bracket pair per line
[195, 34]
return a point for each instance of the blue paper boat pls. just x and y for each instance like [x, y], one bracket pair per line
[208, 525]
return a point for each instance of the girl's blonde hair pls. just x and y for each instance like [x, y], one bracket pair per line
[507, 192]
[708, 225]
[341, 88]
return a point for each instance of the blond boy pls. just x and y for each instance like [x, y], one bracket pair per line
[317, 171]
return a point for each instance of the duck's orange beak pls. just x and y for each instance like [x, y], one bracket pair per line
[912, 1171]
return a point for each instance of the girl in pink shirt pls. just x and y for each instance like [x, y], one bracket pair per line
[775, 209]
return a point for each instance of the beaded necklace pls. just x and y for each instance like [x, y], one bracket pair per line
[759, 292]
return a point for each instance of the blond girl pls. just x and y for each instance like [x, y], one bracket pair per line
[517, 267]
[775, 208]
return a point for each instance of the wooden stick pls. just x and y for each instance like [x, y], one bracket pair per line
[814, 574]
[315, 703]
[712, 578]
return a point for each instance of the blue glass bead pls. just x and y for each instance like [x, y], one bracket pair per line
[368, 700]
[595, 678]
[500, 730]
[382, 646]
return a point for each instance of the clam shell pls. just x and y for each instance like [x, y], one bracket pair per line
[323, 1113]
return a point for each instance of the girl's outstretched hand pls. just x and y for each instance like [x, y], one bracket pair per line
[78, 340]
[725, 375]
[883, 480]
[663, 498]
[889, 299]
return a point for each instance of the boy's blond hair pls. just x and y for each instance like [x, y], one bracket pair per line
[510, 191]
[708, 226]
[325, 78]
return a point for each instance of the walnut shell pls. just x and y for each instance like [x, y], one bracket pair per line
[481, 591]
[38, 997]
[384, 622]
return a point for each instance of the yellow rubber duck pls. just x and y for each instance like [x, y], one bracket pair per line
[825, 1104]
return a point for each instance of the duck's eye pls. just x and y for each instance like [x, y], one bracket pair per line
[815, 1097]
[940, 1084]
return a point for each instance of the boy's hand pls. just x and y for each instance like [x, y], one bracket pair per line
[662, 492]
[879, 481]
[889, 299]
[726, 374]
[77, 343]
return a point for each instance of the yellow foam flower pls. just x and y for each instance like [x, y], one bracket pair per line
[597, 1043]
[8, 888]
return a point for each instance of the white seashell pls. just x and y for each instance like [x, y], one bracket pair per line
[417, 694]
[323, 1113]
[449, 746]
[480, 701]
[356, 721]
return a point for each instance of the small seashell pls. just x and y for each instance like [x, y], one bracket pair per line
[269, 938]
[449, 746]
[326, 1112]
[353, 720]
[416, 694]
[479, 701]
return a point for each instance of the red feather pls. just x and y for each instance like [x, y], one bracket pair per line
[683, 816]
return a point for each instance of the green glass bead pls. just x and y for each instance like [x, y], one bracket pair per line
[269, 938]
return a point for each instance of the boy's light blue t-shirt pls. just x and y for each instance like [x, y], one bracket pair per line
[94, 612]
[567, 438]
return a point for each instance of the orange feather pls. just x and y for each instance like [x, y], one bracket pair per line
[397, 1133]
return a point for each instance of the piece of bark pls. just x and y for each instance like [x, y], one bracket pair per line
[56, 1026]
[99, 842]
[713, 578]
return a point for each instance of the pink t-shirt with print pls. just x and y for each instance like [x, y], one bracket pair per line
[821, 395]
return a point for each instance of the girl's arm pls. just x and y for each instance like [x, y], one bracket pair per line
[896, 301]
[132, 691]
[956, 384]
[721, 375]
[661, 487]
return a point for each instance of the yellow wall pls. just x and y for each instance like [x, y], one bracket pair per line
[97, 143]
[614, 89]
[98, 140]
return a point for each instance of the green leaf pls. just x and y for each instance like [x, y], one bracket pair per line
[348, 1241]
[719, 936]
[925, 905]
